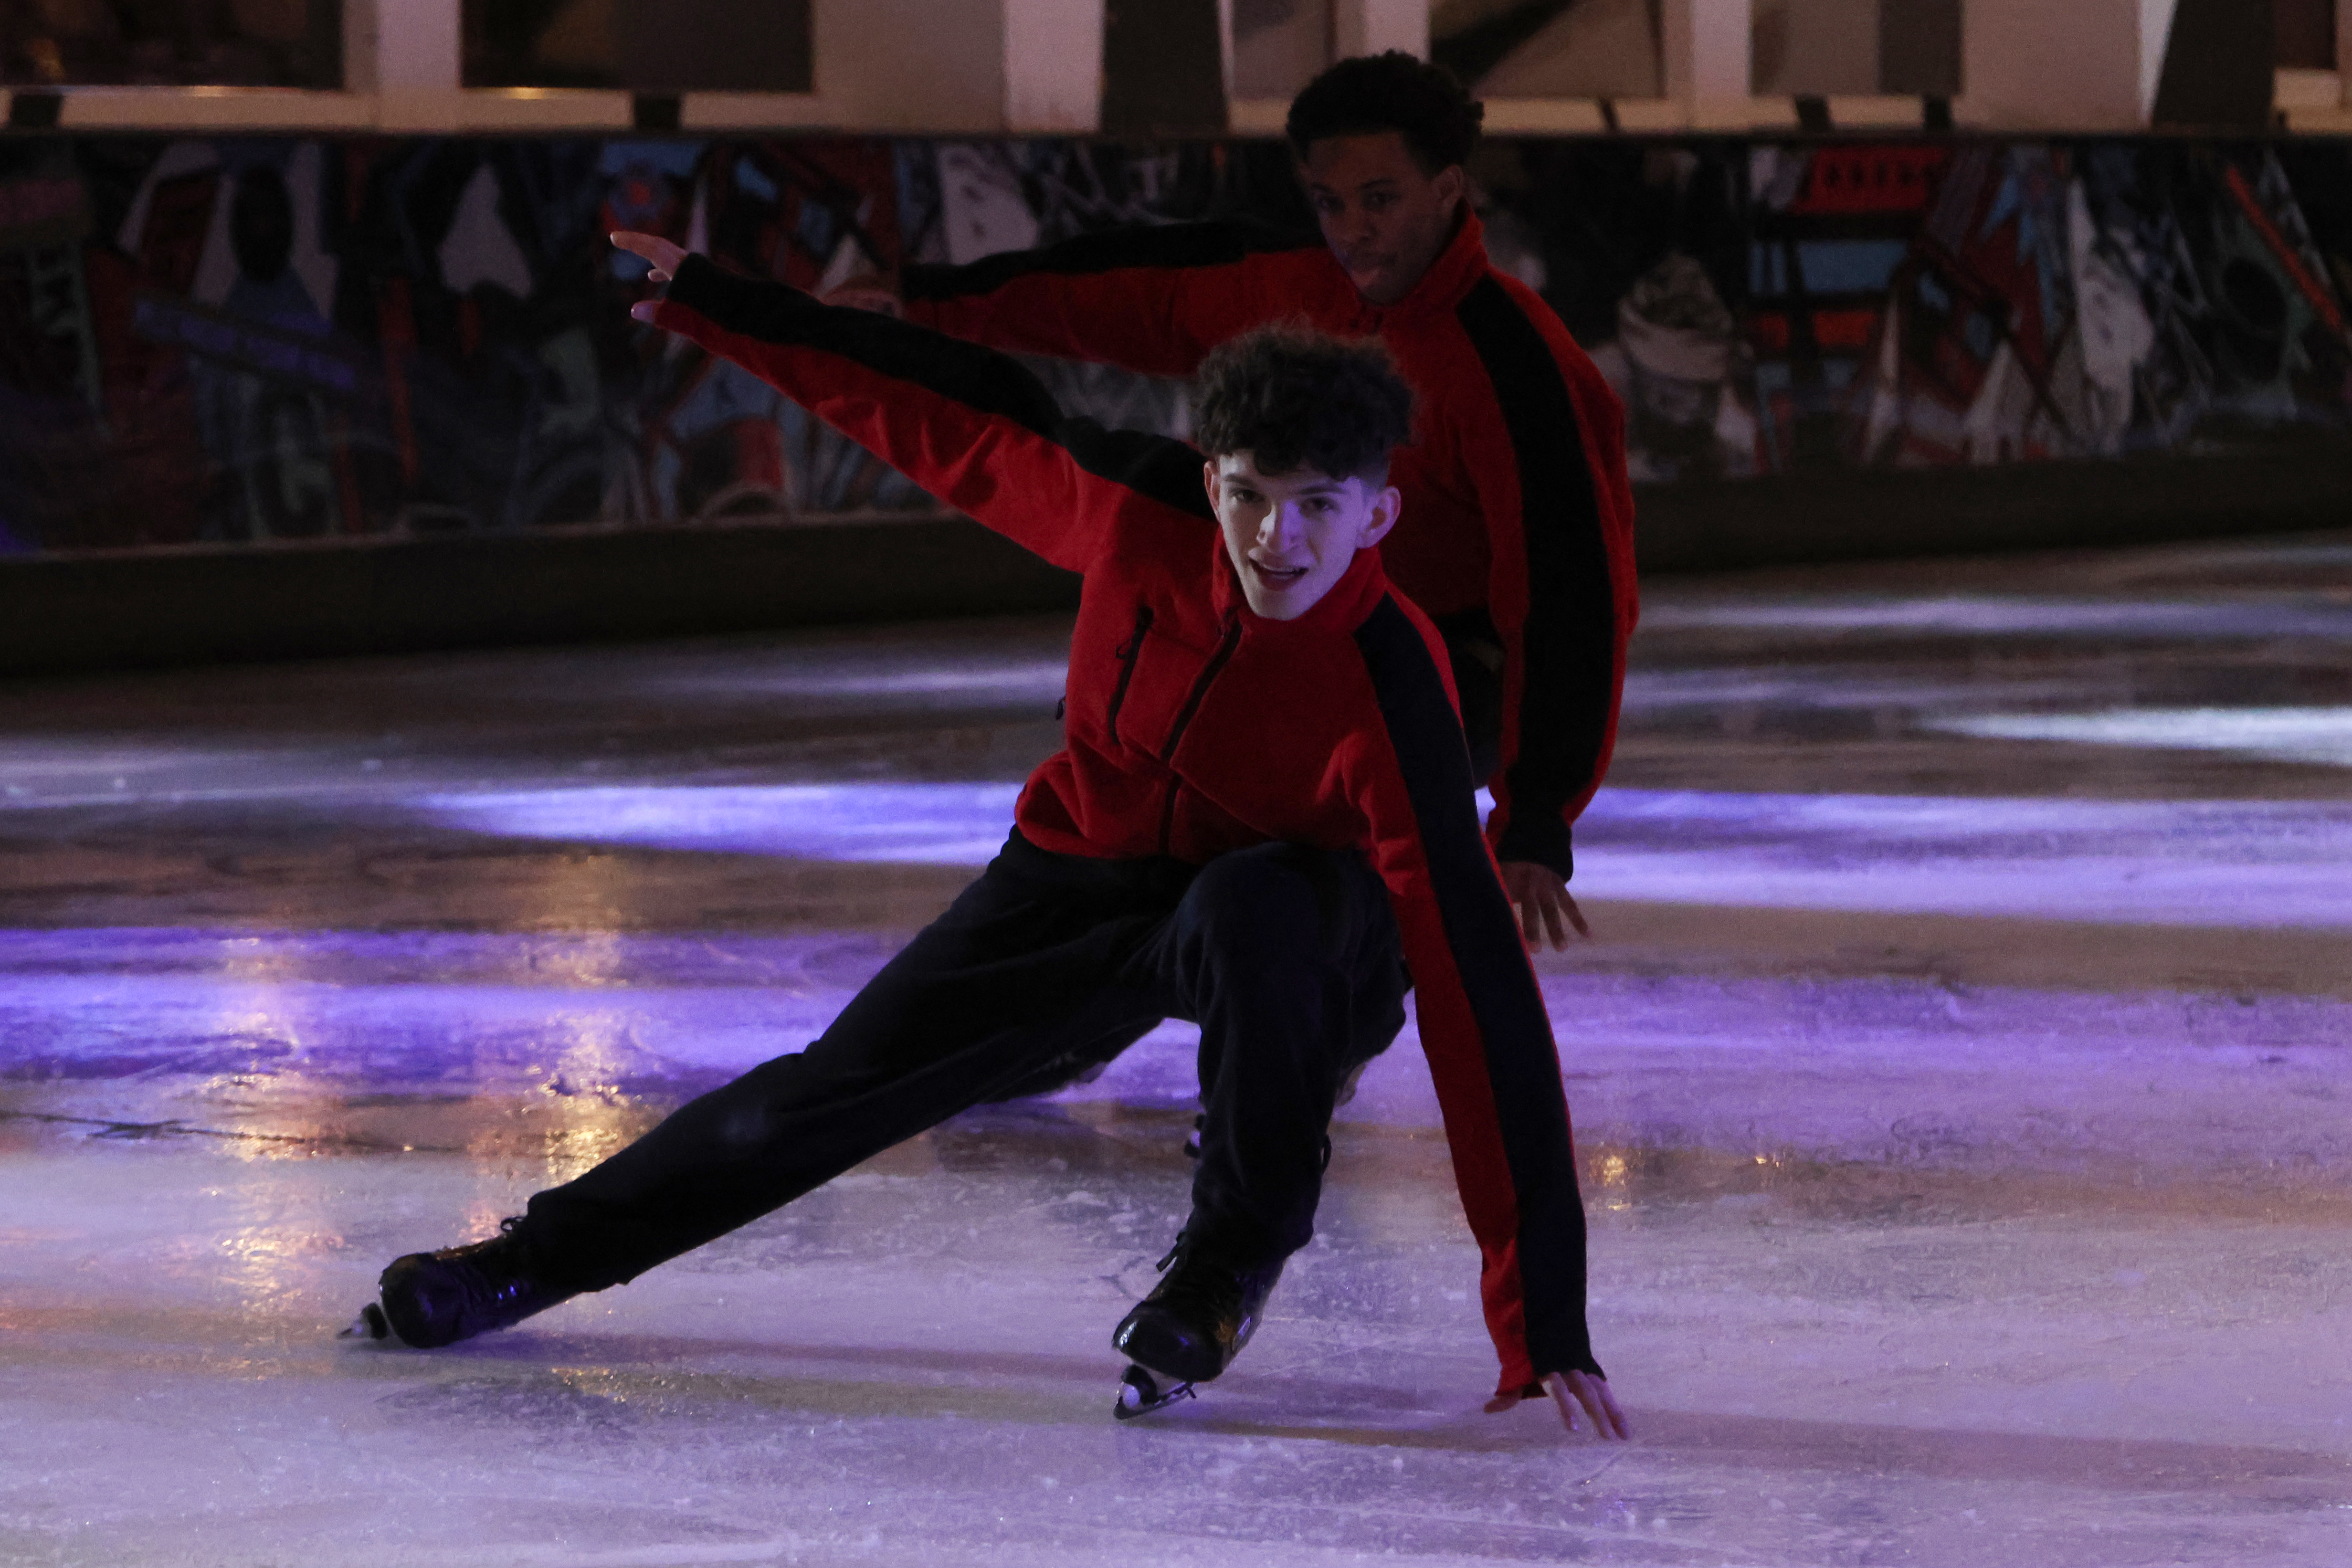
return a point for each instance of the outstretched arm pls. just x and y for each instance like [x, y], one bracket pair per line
[1154, 300]
[969, 425]
[1482, 1024]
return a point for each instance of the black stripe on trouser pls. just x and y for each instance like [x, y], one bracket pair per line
[1568, 648]
[1043, 956]
[1522, 1070]
[990, 383]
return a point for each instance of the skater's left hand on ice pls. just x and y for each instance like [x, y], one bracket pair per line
[1545, 910]
[1568, 1390]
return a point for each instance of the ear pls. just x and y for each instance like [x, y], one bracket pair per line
[1385, 509]
[1451, 184]
[1209, 482]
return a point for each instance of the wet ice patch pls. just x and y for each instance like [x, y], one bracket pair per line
[2199, 863]
[897, 822]
[2007, 615]
[2321, 735]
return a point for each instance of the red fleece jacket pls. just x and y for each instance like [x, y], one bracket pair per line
[1516, 500]
[1195, 726]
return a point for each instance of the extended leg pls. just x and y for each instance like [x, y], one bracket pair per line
[1023, 968]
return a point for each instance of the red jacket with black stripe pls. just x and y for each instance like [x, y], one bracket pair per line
[1195, 726]
[1517, 509]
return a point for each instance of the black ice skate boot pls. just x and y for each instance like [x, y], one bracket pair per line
[1199, 1316]
[433, 1298]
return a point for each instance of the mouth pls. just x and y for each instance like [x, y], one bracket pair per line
[1277, 576]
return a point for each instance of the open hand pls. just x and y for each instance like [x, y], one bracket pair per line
[664, 254]
[1547, 911]
[1570, 1389]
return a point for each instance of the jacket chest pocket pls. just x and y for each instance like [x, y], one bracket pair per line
[1156, 679]
[1127, 657]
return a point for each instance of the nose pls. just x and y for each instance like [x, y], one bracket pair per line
[1281, 529]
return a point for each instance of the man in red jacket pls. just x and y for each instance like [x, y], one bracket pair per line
[1261, 813]
[1517, 529]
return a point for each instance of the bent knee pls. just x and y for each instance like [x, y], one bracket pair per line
[1285, 901]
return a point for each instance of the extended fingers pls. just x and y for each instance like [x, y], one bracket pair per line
[1592, 1393]
[1549, 899]
[661, 254]
[1575, 915]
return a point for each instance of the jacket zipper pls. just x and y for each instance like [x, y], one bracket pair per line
[1128, 653]
[1209, 672]
[1168, 815]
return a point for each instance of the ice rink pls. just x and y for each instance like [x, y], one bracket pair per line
[1960, 1072]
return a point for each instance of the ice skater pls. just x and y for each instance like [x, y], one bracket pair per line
[1517, 535]
[1261, 816]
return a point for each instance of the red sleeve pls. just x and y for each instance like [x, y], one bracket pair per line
[1154, 300]
[1546, 450]
[969, 425]
[1482, 1024]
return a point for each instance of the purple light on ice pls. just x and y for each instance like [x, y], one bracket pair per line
[935, 824]
[2225, 862]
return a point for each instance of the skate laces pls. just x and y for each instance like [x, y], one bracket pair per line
[1198, 1288]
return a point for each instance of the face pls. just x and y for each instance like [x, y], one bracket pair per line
[1292, 536]
[1382, 217]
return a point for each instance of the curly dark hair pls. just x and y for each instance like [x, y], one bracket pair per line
[1422, 102]
[1293, 397]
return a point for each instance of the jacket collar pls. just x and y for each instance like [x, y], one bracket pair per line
[1459, 268]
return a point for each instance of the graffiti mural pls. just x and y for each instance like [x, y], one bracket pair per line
[239, 340]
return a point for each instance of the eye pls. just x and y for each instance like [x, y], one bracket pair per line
[1378, 200]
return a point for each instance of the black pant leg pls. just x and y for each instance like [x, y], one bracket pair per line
[1023, 967]
[1288, 959]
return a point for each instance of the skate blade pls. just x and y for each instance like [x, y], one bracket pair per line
[370, 1324]
[1140, 1394]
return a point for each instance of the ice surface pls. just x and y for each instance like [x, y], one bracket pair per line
[1962, 1116]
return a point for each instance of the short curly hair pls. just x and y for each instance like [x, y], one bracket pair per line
[1292, 397]
[1371, 93]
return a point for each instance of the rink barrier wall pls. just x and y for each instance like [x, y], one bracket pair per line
[228, 363]
[71, 613]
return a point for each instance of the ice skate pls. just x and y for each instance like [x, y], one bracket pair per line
[1140, 1394]
[1196, 1320]
[433, 1299]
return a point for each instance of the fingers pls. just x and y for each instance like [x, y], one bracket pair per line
[1530, 915]
[1575, 915]
[660, 254]
[1547, 899]
[644, 310]
[1571, 1389]
[1556, 1384]
[1500, 1403]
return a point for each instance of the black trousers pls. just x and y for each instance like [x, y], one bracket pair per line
[1287, 957]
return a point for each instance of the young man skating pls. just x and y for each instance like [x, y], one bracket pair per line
[1263, 814]
[1517, 532]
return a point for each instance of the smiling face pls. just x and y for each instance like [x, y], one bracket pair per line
[1383, 218]
[1292, 536]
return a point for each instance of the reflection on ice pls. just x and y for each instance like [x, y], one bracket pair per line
[2174, 863]
[2003, 615]
[940, 824]
[2321, 735]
